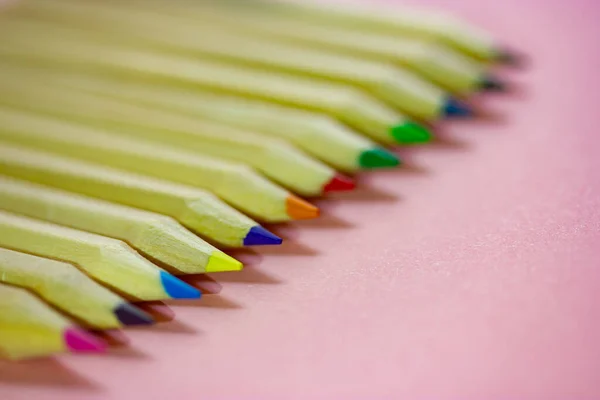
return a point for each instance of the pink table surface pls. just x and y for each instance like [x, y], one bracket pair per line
[472, 276]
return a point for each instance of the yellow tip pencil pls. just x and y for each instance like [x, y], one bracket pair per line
[30, 328]
[395, 86]
[158, 236]
[194, 208]
[57, 47]
[319, 135]
[277, 159]
[107, 260]
[65, 287]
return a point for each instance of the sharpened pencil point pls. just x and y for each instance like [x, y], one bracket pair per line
[456, 109]
[221, 262]
[79, 341]
[178, 289]
[300, 209]
[259, 236]
[378, 158]
[339, 183]
[490, 83]
[411, 133]
[131, 315]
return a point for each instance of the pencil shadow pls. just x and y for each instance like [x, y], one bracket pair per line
[327, 219]
[175, 327]
[220, 302]
[127, 352]
[248, 257]
[286, 231]
[202, 282]
[289, 248]
[47, 372]
[443, 140]
[247, 275]
[367, 192]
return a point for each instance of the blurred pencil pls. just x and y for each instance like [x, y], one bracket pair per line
[65, 287]
[433, 61]
[107, 260]
[58, 47]
[276, 159]
[157, 236]
[29, 328]
[398, 21]
[396, 87]
[196, 209]
[318, 135]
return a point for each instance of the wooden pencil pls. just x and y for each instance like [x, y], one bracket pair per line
[235, 183]
[196, 209]
[65, 287]
[317, 134]
[30, 328]
[398, 21]
[431, 60]
[60, 47]
[395, 86]
[158, 236]
[277, 159]
[107, 260]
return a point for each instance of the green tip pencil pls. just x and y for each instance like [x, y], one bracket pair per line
[319, 135]
[158, 236]
[51, 46]
[194, 208]
[107, 260]
[30, 328]
[65, 287]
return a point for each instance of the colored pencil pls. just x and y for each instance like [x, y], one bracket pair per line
[159, 237]
[318, 135]
[51, 46]
[194, 208]
[107, 260]
[65, 287]
[276, 159]
[396, 87]
[399, 21]
[447, 68]
[30, 328]
[237, 184]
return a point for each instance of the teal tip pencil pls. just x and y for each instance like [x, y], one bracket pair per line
[130, 315]
[378, 158]
[411, 133]
[259, 236]
[178, 289]
[455, 108]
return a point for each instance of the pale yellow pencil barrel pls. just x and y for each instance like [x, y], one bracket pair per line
[62, 285]
[196, 209]
[155, 235]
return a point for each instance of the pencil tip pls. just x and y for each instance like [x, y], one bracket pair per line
[259, 236]
[79, 341]
[490, 83]
[178, 289]
[221, 262]
[339, 183]
[509, 57]
[378, 158]
[454, 108]
[411, 133]
[300, 209]
[131, 315]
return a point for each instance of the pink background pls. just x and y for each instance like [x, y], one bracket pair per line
[472, 276]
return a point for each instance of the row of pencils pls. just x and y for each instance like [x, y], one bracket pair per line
[139, 139]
